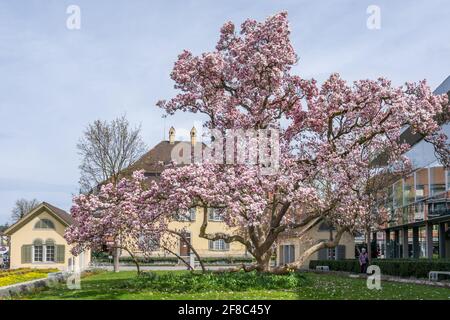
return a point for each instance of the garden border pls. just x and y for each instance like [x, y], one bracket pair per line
[17, 289]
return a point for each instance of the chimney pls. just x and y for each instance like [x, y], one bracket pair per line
[172, 135]
[193, 136]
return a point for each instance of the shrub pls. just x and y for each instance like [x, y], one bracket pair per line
[211, 281]
[174, 260]
[418, 268]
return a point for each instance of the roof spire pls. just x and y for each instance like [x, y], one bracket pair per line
[172, 135]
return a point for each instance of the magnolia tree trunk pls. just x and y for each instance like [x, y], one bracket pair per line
[116, 256]
[316, 247]
[261, 248]
[135, 260]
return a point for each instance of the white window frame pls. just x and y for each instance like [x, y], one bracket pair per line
[215, 217]
[44, 254]
[34, 254]
[220, 245]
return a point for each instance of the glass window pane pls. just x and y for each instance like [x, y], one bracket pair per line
[437, 180]
[38, 252]
[422, 184]
[409, 190]
[50, 253]
[398, 194]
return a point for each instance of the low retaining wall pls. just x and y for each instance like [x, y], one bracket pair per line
[29, 286]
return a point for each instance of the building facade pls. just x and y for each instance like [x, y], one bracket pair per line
[419, 203]
[37, 241]
[291, 248]
[153, 163]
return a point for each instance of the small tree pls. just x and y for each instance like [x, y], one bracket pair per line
[122, 216]
[107, 149]
[22, 207]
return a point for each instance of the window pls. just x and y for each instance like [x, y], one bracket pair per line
[44, 252]
[287, 254]
[448, 179]
[192, 212]
[437, 180]
[219, 245]
[49, 250]
[50, 253]
[186, 217]
[38, 253]
[214, 215]
[44, 224]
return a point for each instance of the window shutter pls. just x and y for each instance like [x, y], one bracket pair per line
[323, 254]
[291, 253]
[26, 254]
[340, 252]
[281, 251]
[227, 246]
[60, 252]
[211, 245]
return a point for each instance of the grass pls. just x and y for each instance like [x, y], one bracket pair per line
[174, 285]
[22, 275]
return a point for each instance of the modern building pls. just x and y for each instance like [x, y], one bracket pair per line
[419, 203]
[37, 241]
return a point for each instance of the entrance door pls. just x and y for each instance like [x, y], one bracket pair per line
[185, 251]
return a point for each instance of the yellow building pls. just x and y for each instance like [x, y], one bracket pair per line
[37, 241]
[190, 228]
[154, 162]
[291, 247]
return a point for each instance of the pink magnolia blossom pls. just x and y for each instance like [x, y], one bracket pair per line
[121, 215]
[329, 139]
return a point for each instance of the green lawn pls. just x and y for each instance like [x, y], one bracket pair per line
[183, 285]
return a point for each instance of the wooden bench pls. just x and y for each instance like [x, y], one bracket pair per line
[434, 275]
[322, 268]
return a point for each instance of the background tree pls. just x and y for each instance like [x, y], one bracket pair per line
[375, 182]
[3, 227]
[329, 137]
[106, 149]
[22, 207]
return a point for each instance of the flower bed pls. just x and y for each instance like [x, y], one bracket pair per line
[9, 277]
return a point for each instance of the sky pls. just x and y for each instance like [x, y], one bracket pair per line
[54, 80]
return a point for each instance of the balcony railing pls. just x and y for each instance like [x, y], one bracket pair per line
[438, 213]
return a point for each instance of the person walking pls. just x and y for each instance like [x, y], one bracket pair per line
[363, 260]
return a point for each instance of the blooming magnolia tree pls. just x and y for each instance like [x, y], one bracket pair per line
[121, 216]
[329, 136]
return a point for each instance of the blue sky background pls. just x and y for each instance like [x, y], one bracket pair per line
[54, 81]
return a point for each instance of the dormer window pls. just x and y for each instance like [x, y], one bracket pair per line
[44, 224]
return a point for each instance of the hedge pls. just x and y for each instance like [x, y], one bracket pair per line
[418, 268]
[174, 260]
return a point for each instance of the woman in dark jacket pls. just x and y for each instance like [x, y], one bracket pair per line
[363, 260]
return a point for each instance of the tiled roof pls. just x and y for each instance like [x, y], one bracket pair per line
[61, 214]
